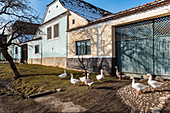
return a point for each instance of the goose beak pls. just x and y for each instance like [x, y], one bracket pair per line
[146, 75]
[130, 78]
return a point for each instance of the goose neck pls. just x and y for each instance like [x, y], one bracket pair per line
[150, 77]
[133, 81]
[71, 76]
[117, 69]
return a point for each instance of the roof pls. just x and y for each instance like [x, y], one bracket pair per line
[84, 9]
[134, 10]
[25, 27]
[39, 38]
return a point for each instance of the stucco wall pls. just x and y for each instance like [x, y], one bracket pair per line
[54, 10]
[50, 61]
[79, 21]
[105, 32]
[31, 49]
[106, 39]
[55, 47]
[83, 35]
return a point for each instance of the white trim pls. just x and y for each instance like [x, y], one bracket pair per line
[99, 42]
[68, 45]
[138, 16]
[91, 57]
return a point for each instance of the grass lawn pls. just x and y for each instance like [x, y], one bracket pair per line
[36, 78]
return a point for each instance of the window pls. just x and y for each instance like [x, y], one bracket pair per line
[16, 50]
[49, 33]
[56, 30]
[73, 21]
[83, 47]
[37, 49]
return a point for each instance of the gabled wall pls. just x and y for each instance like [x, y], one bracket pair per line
[53, 10]
[79, 21]
[52, 51]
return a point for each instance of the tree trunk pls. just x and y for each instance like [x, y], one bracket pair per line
[12, 64]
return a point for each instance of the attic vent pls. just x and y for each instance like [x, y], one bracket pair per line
[49, 11]
[56, 6]
[73, 21]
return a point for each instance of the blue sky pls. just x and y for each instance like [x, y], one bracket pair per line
[113, 6]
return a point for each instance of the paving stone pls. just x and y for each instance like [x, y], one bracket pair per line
[146, 101]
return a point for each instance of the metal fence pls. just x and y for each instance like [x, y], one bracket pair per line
[144, 47]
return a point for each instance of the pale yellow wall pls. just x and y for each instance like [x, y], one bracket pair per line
[106, 37]
[106, 40]
[83, 35]
[79, 21]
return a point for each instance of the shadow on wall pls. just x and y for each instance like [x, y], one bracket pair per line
[93, 64]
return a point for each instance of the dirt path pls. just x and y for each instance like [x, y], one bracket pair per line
[59, 106]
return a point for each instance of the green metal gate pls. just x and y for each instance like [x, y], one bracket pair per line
[144, 47]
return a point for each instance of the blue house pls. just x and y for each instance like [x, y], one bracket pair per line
[49, 45]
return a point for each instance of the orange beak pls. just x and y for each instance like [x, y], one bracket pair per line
[130, 78]
[146, 75]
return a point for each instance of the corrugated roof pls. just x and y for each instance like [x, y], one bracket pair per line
[84, 9]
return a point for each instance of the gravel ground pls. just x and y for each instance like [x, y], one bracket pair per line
[147, 101]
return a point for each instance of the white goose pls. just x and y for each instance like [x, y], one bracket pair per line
[63, 75]
[88, 82]
[73, 80]
[138, 86]
[101, 76]
[153, 83]
[82, 79]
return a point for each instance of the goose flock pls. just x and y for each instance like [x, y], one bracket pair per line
[139, 87]
[86, 79]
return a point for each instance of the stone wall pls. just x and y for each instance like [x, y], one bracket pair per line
[93, 64]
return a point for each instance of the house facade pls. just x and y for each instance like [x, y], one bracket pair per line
[75, 34]
[61, 15]
[136, 40]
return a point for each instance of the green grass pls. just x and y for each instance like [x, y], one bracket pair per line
[37, 78]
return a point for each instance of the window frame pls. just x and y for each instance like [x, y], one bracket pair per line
[36, 49]
[83, 48]
[49, 34]
[57, 33]
[16, 50]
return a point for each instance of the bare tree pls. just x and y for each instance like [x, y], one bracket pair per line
[10, 12]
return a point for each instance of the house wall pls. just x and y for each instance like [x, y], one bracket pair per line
[101, 56]
[107, 38]
[32, 57]
[79, 21]
[1, 57]
[83, 35]
[17, 57]
[54, 10]
[53, 51]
